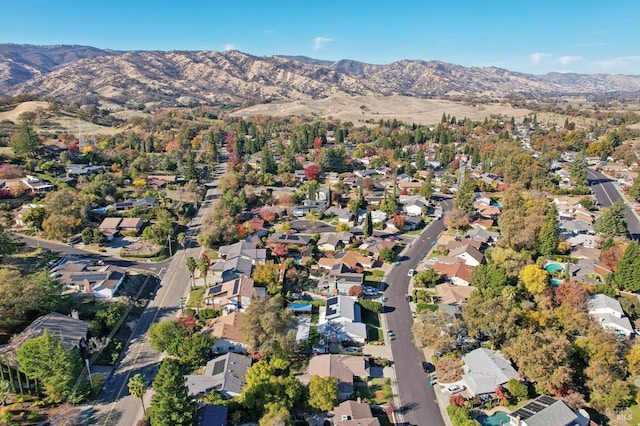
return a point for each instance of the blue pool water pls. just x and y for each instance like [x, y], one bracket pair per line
[555, 282]
[497, 419]
[553, 267]
[496, 204]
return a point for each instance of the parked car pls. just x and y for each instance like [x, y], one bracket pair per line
[428, 367]
[407, 297]
[351, 350]
[410, 273]
[453, 389]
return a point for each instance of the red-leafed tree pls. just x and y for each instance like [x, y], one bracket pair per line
[267, 214]
[399, 221]
[456, 400]
[317, 146]
[572, 294]
[403, 191]
[356, 291]
[501, 394]
[611, 256]
[280, 250]
[312, 172]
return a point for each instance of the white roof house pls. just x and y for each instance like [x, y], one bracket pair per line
[607, 312]
[485, 370]
[341, 320]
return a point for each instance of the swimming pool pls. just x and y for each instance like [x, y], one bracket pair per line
[553, 267]
[555, 282]
[497, 419]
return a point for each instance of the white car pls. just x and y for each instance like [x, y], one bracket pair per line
[351, 350]
[453, 389]
[410, 273]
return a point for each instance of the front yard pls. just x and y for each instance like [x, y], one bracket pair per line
[376, 391]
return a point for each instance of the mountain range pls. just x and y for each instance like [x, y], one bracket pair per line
[73, 73]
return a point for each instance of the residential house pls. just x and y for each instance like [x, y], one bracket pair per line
[482, 235]
[132, 203]
[411, 223]
[470, 255]
[69, 330]
[234, 295]
[589, 270]
[416, 206]
[354, 413]
[414, 186]
[374, 244]
[377, 216]
[344, 215]
[454, 244]
[584, 240]
[308, 206]
[333, 241]
[292, 240]
[226, 330]
[340, 279]
[111, 226]
[457, 273]
[84, 277]
[232, 269]
[342, 367]
[244, 249]
[225, 374]
[547, 411]
[352, 259]
[36, 185]
[608, 312]
[485, 370]
[82, 169]
[160, 181]
[451, 294]
[341, 320]
[212, 415]
[488, 212]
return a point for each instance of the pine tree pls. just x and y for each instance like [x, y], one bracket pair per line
[634, 192]
[548, 236]
[626, 276]
[171, 404]
[268, 163]
[579, 169]
[612, 222]
[420, 163]
[367, 226]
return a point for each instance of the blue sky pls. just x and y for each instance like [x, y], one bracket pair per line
[539, 36]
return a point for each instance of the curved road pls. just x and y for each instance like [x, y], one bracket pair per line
[418, 404]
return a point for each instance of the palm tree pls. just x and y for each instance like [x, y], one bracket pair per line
[181, 238]
[203, 268]
[192, 265]
[138, 387]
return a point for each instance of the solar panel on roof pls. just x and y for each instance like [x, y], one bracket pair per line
[218, 367]
[216, 289]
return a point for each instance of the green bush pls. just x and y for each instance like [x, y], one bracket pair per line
[208, 313]
[421, 307]
[371, 305]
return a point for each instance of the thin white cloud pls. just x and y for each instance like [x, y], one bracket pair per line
[229, 46]
[567, 60]
[620, 64]
[539, 57]
[267, 32]
[319, 42]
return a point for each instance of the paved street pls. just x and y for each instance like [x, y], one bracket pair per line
[417, 399]
[607, 193]
[115, 406]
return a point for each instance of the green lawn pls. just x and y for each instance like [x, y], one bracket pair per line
[373, 278]
[195, 297]
[378, 391]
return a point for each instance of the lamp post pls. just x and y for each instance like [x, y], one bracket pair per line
[169, 243]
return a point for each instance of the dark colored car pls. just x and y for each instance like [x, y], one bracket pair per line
[428, 367]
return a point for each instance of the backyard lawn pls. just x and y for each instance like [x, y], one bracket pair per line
[373, 278]
[377, 391]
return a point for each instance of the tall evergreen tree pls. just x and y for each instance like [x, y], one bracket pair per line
[426, 190]
[367, 226]
[548, 236]
[612, 221]
[268, 163]
[171, 404]
[420, 162]
[627, 276]
[25, 142]
[579, 169]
